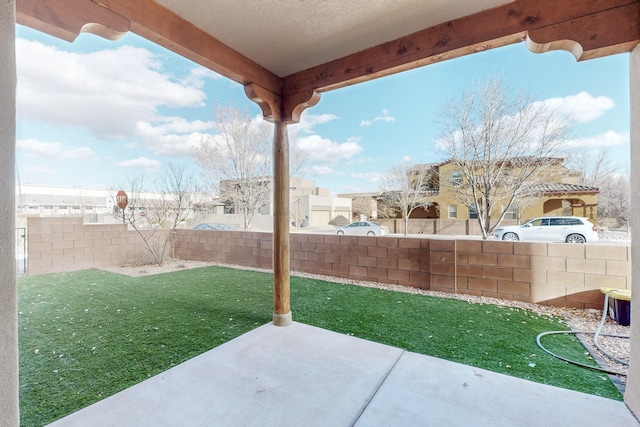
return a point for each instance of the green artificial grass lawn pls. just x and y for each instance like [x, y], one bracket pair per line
[89, 334]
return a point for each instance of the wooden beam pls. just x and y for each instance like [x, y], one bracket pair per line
[160, 25]
[66, 19]
[485, 30]
[112, 18]
[609, 32]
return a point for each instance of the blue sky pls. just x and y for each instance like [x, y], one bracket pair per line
[94, 113]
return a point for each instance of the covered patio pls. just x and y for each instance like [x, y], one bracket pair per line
[285, 55]
[303, 375]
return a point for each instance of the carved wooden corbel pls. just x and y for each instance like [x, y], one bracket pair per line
[269, 102]
[275, 108]
[66, 19]
[591, 36]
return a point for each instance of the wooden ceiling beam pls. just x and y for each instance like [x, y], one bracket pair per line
[160, 25]
[112, 18]
[606, 33]
[66, 19]
[485, 30]
[588, 28]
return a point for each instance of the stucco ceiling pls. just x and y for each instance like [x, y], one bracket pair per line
[289, 36]
[287, 52]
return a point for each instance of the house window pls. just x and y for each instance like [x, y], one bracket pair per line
[456, 178]
[473, 213]
[453, 211]
[511, 213]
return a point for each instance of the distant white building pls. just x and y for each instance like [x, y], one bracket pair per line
[62, 201]
[310, 205]
[314, 206]
[95, 205]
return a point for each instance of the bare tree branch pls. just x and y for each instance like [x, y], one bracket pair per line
[237, 161]
[404, 190]
[501, 146]
[156, 215]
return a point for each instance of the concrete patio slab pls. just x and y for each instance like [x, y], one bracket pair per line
[303, 375]
[426, 391]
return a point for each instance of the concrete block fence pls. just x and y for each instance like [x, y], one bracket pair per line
[57, 244]
[546, 273]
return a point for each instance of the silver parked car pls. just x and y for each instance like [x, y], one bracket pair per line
[570, 229]
[364, 228]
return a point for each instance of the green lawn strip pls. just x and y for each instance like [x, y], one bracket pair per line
[499, 339]
[89, 334]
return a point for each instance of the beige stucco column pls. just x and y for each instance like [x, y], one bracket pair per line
[632, 393]
[9, 413]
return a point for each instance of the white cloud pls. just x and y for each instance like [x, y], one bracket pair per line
[106, 92]
[326, 152]
[140, 163]
[308, 121]
[322, 170]
[81, 153]
[161, 141]
[35, 148]
[53, 150]
[386, 117]
[607, 139]
[197, 77]
[42, 170]
[181, 125]
[360, 160]
[371, 177]
[582, 107]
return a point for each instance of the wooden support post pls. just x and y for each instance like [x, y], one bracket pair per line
[281, 259]
[271, 106]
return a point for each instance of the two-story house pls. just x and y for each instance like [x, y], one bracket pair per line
[557, 192]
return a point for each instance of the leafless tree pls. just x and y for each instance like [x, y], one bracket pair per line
[501, 145]
[614, 199]
[596, 169]
[237, 161]
[361, 205]
[592, 168]
[156, 215]
[404, 189]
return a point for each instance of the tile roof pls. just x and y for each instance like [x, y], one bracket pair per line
[560, 187]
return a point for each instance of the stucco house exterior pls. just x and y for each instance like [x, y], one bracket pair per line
[557, 193]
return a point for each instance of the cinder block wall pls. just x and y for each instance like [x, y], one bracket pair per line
[549, 273]
[66, 244]
[555, 273]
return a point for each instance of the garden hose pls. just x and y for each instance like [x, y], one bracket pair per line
[595, 334]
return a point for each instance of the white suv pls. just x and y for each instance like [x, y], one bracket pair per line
[570, 229]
